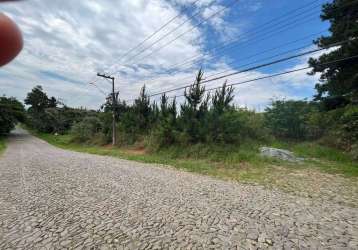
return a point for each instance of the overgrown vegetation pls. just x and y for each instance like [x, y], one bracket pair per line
[2, 145]
[209, 133]
[49, 115]
[11, 112]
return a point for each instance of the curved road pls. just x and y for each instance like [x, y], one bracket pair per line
[52, 198]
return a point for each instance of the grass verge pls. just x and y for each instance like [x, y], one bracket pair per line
[2, 145]
[242, 163]
[320, 175]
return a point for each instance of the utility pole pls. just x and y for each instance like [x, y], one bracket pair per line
[113, 107]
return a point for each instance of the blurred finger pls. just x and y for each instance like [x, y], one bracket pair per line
[11, 41]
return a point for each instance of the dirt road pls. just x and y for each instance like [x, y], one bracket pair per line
[51, 198]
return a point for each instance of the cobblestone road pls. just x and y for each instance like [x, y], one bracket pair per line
[52, 198]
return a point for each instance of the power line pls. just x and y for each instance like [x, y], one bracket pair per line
[262, 27]
[272, 76]
[165, 35]
[98, 88]
[249, 42]
[189, 30]
[255, 67]
[155, 32]
[262, 39]
[278, 74]
[235, 73]
[214, 14]
[270, 57]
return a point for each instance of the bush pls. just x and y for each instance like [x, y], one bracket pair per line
[341, 128]
[349, 125]
[87, 129]
[289, 119]
[253, 126]
[224, 128]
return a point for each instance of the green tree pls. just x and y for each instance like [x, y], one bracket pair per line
[86, 129]
[38, 100]
[223, 120]
[338, 84]
[11, 112]
[45, 115]
[120, 107]
[142, 110]
[289, 119]
[166, 129]
[194, 111]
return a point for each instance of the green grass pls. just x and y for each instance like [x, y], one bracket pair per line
[326, 159]
[2, 145]
[323, 166]
[230, 162]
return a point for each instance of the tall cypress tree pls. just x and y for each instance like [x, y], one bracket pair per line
[338, 84]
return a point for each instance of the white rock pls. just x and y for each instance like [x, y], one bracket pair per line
[279, 153]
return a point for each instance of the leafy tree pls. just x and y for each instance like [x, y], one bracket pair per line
[11, 112]
[45, 115]
[38, 100]
[338, 81]
[349, 126]
[288, 119]
[52, 102]
[120, 106]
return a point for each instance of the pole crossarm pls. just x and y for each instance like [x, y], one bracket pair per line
[105, 76]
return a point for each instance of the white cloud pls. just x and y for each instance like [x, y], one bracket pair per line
[67, 43]
[76, 40]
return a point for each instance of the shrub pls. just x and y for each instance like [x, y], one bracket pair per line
[288, 119]
[86, 129]
[224, 128]
[349, 125]
[253, 126]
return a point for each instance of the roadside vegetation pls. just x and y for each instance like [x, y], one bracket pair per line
[323, 174]
[11, 112]
[2, 145]
[206, 133]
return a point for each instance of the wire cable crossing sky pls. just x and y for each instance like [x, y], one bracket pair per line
[161, 44]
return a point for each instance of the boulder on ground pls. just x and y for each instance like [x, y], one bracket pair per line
[281, 154]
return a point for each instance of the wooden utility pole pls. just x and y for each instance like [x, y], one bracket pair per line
[113, 107]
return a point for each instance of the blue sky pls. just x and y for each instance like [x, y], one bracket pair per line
[67, 42]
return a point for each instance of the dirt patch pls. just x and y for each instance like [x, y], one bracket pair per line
[135, 151]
